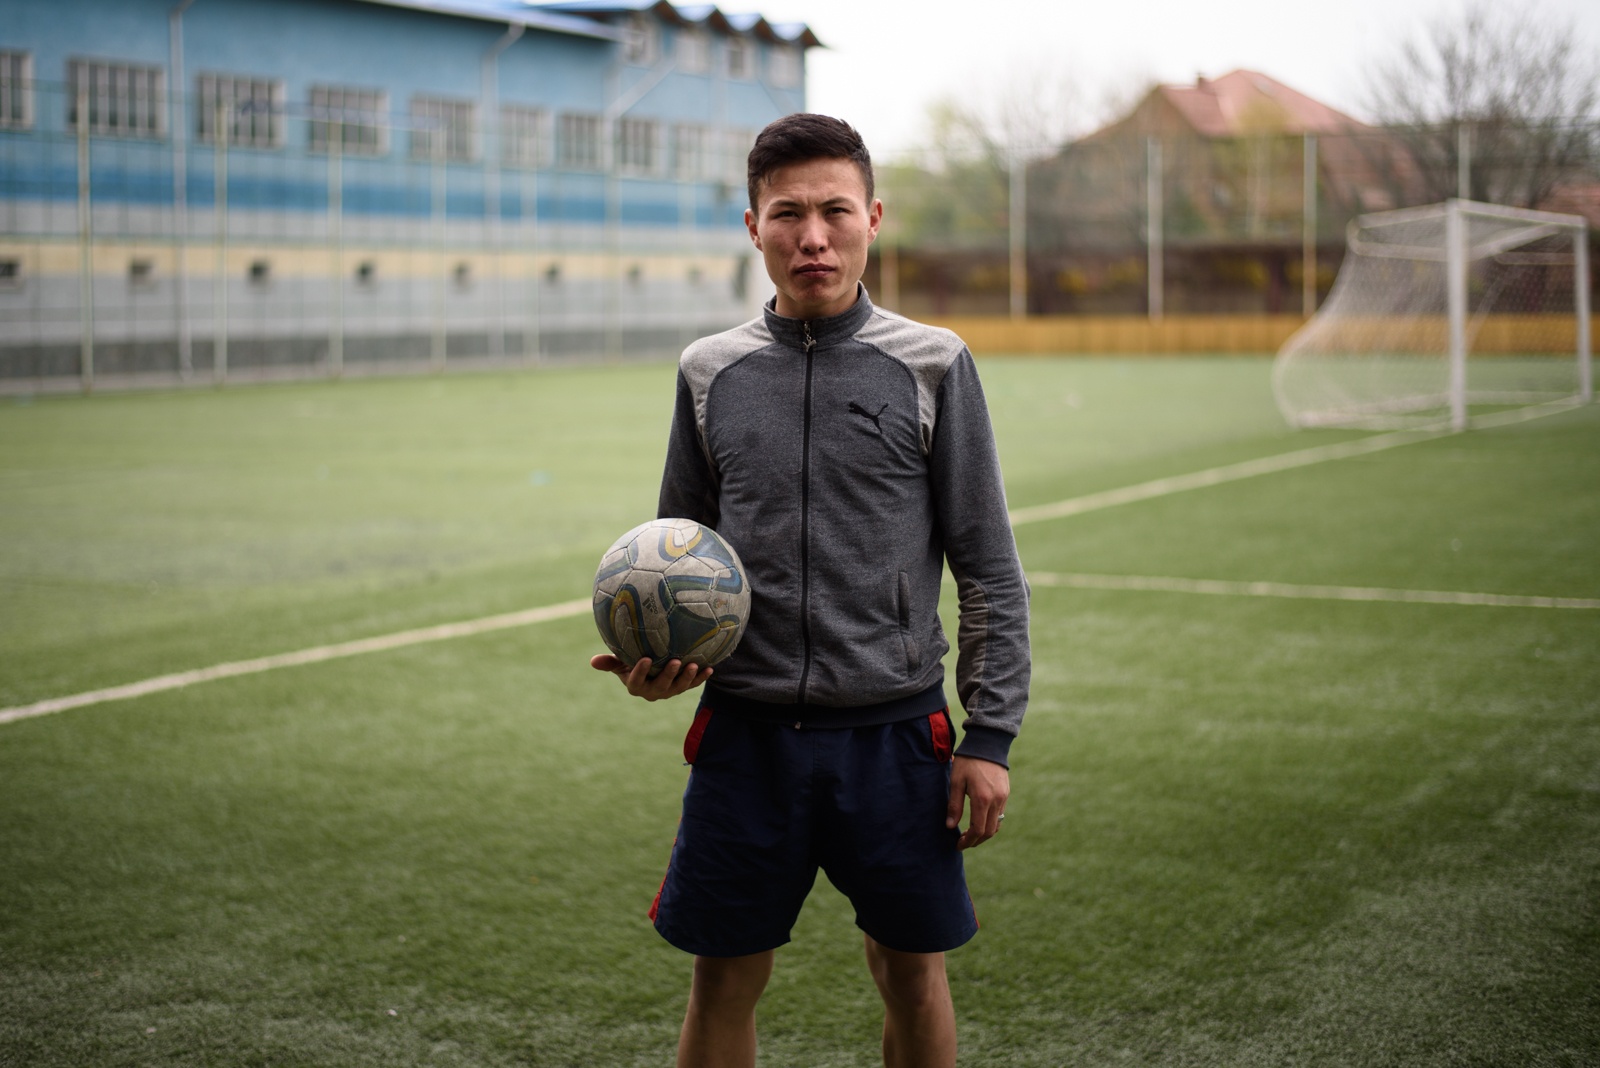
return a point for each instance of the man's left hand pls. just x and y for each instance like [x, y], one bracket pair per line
[988, 785]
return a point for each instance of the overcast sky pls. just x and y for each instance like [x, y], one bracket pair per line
[886, 59]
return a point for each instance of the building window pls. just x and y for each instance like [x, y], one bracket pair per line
[578, 143]
[443, 129]
[10, 273]
[524, 136]
[736, 146]
[638, 147]
[353, 120]
[694, 51]
[141, 273]
[689, 152]
[736, 58]
[254, 110]
[784, 67]
[122, 99]
[16, 90]
[641, 41]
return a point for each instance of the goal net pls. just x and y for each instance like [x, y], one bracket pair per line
[1440, 309]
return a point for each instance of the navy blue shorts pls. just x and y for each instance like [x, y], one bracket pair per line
[768, 804]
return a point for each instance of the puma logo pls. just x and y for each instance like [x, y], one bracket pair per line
[856, 409]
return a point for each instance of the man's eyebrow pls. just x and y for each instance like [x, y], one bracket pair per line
[791, 202]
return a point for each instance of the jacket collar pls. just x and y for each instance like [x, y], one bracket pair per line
[792, 332]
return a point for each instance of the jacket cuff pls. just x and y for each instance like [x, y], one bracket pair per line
[986, 743]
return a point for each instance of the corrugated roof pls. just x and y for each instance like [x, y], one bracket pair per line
[691, 14]
[511, 12]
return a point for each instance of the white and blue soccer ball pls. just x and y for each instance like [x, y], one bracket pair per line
[671, 589]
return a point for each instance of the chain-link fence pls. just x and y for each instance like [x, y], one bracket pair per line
[255, 237]
[1184, 224]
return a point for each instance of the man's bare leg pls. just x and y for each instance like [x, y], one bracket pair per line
[719, 1030]
[919, 1020]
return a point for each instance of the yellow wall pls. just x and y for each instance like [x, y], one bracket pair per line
[995, 335]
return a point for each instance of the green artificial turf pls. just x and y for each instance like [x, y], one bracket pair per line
[1244, 831]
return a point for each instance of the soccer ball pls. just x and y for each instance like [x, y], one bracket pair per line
[671, 589]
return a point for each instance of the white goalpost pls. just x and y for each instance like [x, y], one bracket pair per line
[1439, 309]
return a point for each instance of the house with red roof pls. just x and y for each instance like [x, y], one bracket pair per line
[1231, 154]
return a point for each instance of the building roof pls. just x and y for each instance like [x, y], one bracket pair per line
[510, 12]
[688, 15]
[1246, 101]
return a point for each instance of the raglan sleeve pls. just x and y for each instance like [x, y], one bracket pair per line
[993, 660]
[688, 482]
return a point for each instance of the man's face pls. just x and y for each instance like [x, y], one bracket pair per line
[813, 226]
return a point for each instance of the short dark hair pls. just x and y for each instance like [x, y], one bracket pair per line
[800, 138]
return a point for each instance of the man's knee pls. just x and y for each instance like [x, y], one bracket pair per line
[908, 980]
[731, 984]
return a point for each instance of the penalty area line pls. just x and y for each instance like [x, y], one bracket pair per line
[315, 655]
[1162, 584]
[1267, 465]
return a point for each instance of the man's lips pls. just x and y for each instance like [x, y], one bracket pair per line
[813, 270]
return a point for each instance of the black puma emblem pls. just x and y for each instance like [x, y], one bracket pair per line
[856, 409]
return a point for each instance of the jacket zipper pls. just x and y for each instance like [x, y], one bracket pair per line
[805, 522]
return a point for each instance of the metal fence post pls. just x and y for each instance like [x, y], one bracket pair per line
[85, 248]
[1308, 237]
[219, 299]
[1155, 268]
[336, 241]
[1018, 235]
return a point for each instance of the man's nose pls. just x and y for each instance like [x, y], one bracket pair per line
[813, 235]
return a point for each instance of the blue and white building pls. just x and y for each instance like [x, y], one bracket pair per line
[199, 188]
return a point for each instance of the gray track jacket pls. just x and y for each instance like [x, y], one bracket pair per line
[845, 460]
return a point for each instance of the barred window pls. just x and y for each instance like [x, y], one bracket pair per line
[736, 58]
[254, 108]
[122, 99]
[354, 120]
[641, 39]
[689, 152]
[16, 90]
[524, 136]
[443, 129]
[693, 51]
[638, 146]
[784, 67]
[578, 143]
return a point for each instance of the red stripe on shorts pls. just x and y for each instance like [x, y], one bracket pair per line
[697, 730]
[939, 725]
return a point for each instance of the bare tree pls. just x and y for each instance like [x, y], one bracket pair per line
[1520, 84]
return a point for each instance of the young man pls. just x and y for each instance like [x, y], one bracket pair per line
[846, 454]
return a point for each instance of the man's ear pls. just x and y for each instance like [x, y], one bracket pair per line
[750, 224]
[874, 220]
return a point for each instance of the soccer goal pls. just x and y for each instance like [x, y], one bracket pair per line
[1438, 310]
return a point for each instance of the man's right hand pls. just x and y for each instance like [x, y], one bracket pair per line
[674, 678]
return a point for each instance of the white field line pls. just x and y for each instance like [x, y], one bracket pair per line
[1267, 465]
[1160, 584]
[315, 655]
[1058, 510]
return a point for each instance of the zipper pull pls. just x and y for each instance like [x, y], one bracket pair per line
[810, 341]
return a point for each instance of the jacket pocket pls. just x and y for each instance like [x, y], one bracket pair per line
[907, 637]
[697, 731]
